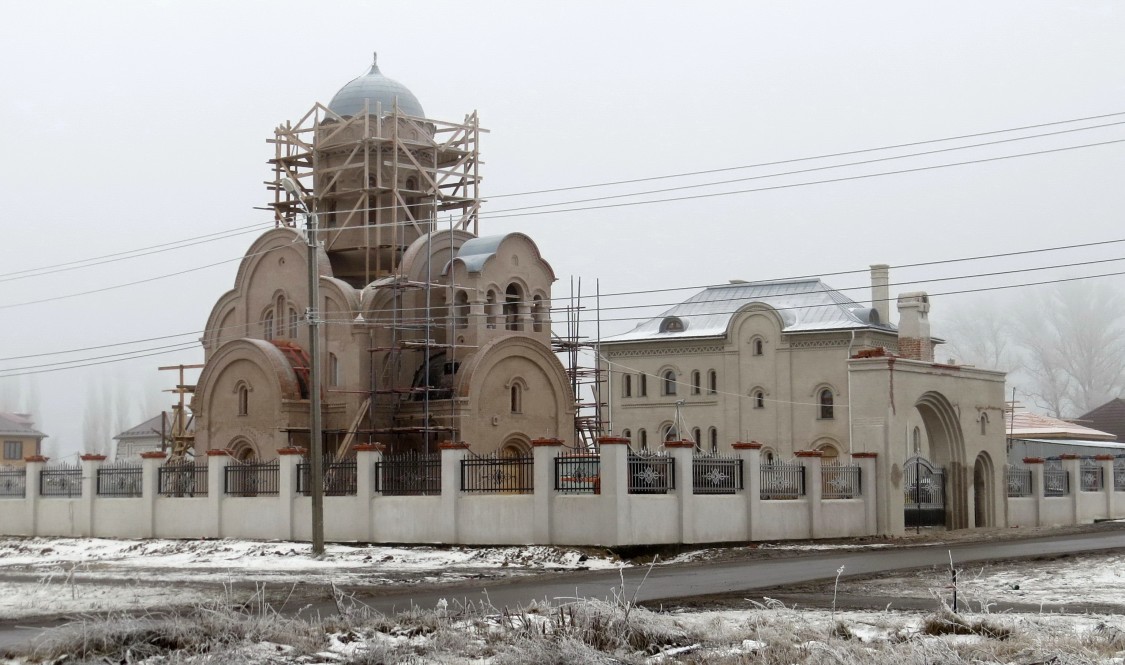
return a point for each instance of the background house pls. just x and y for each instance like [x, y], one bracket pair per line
[1109, 418]
[20, 438]
[1034, 435]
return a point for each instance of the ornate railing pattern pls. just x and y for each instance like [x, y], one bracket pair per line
[782, 480]
[61, 480]
[1119, 474]
[339, 477]
[13, 482]
[716, 474]
[252, 479]
[497, 474]
[409, 474]
[186, 478]
[578, 473]
[1056, 481]
[840, 481]
[1019, 482]
[1091, 476]
[119, 479]
[651, 473]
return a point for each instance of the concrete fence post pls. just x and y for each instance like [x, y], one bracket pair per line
[33, 467]
[452, 453]
[1038, 488]
[90, 465]
[684, 454]
[868, 490]
[367, 455]
[150, 489]
[614, 465]
[1105, 462]
[1073, 465]
[811, 460]
[217, 461]
[750, 452]
[543, 452]
[287, 461]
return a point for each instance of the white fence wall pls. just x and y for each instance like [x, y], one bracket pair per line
[1077, 506]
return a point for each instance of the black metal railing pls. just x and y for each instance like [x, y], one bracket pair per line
[840, 481]
[502, 475]
[339, 477]
[1091, 476]
[578, 474]
[252, 479]
[119, 479]
[1056, 482]
[782, 480]
[716, 474]
[1119, 474]
[409, 474]
[1019, 482]
[61, 480]
[651, 473]
[187, 478]
[13, 482]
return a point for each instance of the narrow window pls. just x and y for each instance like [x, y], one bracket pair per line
[512, 302]
[538, 314]
[293, 320]
[490, 305]
[983, 424]
[826, 411]
[695, 382]
[713, 434]
[642, 385]
[712, 382]
[267, 326]
[769, 457]
[461, 310]
[627, 385]
[759, 399]
[917, 441]
[671, 433]
[626, 434]
[13, 450]
[669, 382]
[517, 398]
[243, 400]
[696, 437]
[333, 370]
[643, 436]
[758, 346]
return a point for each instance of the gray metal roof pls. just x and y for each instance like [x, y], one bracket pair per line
[375, 88]
[13, 425]
[804, 305]
[473, 253]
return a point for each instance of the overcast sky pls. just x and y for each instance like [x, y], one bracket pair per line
[130, 124]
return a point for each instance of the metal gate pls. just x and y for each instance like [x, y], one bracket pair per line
[924, 487]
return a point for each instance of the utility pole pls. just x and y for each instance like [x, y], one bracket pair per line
[316, 443]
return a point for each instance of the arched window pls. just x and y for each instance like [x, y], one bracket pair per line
[517, 398]
[670, 433]
[712, 382]
[758, 346]
[826, 410]
[669, 381]
[713, 435]
[267, 326]
[243, 399]
[759, 399]
[983, 424]
[538, 314]
[642, 385]
[642, 436]
[333, 370]
[626, 385]
[461, 310]
[917, 441]
[512, 301]
[490, 306]
[696, 436]
[627, 434]
[695, 382]
[294, 319]
[768, 456]
[672, 324]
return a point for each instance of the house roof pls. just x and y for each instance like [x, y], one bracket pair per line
[18, 424]
[148, 429]
[1108, 445]
[1024, 424]
[804, 305]
[1109, 417]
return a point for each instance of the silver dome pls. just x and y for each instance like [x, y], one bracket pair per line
[376, 89]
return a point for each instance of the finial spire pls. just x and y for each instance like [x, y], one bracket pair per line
[374, 63]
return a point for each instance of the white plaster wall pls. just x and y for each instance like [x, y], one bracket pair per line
[59, 517]
[1021, 511]
[1056, 511]
[1091, 506]
[840, 518]
[495, 520]
[583, 519]
[14, 517]
[183, 517]
[784, 520]
[251, 517]
[119, 518]
[651, 519]
[719, 518]
[406, 519]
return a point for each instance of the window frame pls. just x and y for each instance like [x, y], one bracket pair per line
[15, 445]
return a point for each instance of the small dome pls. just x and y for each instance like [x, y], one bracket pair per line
[375, 88]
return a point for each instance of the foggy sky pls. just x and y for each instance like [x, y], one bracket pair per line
[129, 124]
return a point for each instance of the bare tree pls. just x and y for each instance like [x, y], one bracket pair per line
[979, 332]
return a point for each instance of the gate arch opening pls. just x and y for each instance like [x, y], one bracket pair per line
[947, 451]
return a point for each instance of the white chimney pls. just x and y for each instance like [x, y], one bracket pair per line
[880, 291]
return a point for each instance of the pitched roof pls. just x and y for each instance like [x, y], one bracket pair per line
[804, 305]
[1025, 424]
[149, 429]
[18, 424]
[1109, 417]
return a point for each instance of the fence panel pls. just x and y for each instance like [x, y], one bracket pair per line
[119, 479]
[186, 478]
[13, 482]
[1019, 482]
[651, 473]
[1119, 474]
[716, 474]
[1092, 478]
[61, 480]
[1056, 481]
[578, 474]
[252, 479]
[840, 481]
[495, 474]
[339, 477]
[409, 474]
[782, 480]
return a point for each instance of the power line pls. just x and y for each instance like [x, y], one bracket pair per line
[181, 346]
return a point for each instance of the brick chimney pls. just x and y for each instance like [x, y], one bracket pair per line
[914, 326]
[880, 291]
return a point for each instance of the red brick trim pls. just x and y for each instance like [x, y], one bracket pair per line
[369, 447]
[865, 455]
[1066, 456]
[809, 453]
[36, 458]
[746, 445]
[603, 440]
[1033, 460]
[1104, 458]
[219, 452]
[453, 445]
[154, 454]
[546, 441]
[685, 443]
[92, 457]
[291, 450]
